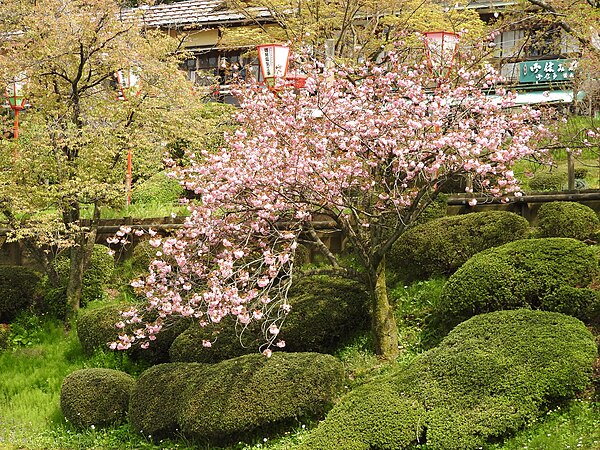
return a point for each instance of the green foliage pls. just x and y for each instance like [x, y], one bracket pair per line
[18, 287]
[547, 181]
[157, 397]
[97, 327]
[326, 312]
[224, 401]
[441, 246]
[575, 425]
[245, 395]
[158, 189]
[523, 273]
[491, 376]
[567, 219]
[95, 396]
[96, 277]
[4, 336]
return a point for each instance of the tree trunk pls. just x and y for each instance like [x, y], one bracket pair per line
[385, 330]
[75, 284]
[80, 256]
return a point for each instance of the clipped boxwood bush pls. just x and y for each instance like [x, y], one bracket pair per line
[95, 396]
[254, 394]
[156, 399]
[491, 376]
[96, 327]
[326, 312]
[159, 188]
[525, 273]
[545, 181]
[567, 219]
[441, 246]
[18, 287]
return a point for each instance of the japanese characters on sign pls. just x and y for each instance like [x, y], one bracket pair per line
[547, 71]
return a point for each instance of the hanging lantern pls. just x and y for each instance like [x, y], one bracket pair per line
[440, 50]
[273, 59]
[129, 83]
[15, 95]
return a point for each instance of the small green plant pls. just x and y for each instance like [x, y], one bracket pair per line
[547, 181]
[4, 336]
[567, 219]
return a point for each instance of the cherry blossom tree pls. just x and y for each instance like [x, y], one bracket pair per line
[368, 149]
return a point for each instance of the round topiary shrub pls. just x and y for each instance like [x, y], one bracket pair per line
[326, 312]
[254, 394]
[525, 273]
[97, 327]
[491, 376]
[156, 399]
[441, 246]
[545, 181]
[567, 219]
[18, 287]
[159, 189]
[95, 396]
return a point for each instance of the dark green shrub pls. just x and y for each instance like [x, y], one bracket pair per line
[157, 397]
[96, 328]
[567, 219]
[252, 393]
[582, 303]
[96, 277]
[491, 376]
[518, 274]
[18, 289]
[95, 396]
[326, 312]
[159, 188]
[441, 246]
[544, 181]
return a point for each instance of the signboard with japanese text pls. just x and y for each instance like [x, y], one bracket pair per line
[547, 71]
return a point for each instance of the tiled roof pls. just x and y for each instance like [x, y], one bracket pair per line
[191, 13]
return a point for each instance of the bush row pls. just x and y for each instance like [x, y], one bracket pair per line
[218, 403]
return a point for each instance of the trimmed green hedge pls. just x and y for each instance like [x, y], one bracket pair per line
[96, 396]
[544, 181]
[18, 288]
[235, 398]
[491, 376]
[526, 273]
[157, 396]
[441, 246]
[567, 219]
[326, 312]
[159, 188]
[250, 394]
[96, 327]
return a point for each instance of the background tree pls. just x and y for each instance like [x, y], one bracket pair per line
[71, 154]
[359, 29]
[364, 150]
